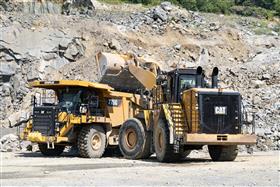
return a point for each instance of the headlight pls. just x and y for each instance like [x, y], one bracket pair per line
[83, 109]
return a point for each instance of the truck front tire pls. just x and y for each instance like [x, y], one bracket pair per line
[58, 149]
[91, 141]
[223, 153]
[134, 140]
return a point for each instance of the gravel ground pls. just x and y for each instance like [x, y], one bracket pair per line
[26, 168]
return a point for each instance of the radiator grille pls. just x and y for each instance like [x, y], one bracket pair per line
[44, 119]
[220, 114]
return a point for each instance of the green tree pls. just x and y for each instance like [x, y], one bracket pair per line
[188, 4]
[277, 6]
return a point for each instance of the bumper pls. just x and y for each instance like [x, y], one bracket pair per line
[220, 139]
[37, 137]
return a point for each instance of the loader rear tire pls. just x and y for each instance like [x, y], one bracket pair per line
[58, 149]
[134, 140]
[223, 153]
[164, 150]
[91, 141]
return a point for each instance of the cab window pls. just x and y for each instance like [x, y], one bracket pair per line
[186, 81]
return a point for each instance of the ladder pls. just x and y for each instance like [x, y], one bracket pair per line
[180, 126]
[178, 119]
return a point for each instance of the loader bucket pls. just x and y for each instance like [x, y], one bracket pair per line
[123, 73]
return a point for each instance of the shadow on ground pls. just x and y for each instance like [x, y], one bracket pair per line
[152, 159]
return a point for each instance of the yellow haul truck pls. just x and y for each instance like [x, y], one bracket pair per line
[186, 113]
[80, 113]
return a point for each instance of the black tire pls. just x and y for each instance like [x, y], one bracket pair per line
[164, 150]
[185, 154]
[91, 141]
[223, 153]
[58, 149]
[134, 140]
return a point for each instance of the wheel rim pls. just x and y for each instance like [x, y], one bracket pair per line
[130, 138]
[160, 140]
[96, 142]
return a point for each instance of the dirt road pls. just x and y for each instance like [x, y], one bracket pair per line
[260, 169]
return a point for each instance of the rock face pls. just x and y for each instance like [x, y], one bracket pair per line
[37, 42]
[67, 7]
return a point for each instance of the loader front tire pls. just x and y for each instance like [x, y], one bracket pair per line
[164, 150]
[91, 141]
[223, 153]
[134, 140]
[58, 149]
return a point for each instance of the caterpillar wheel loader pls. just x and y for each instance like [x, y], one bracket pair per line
[185, 113]
[79, 113]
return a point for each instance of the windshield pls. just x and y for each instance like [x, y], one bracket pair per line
[68, 98]
[186, 81]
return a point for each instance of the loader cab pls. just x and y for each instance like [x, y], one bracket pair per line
[179, 80]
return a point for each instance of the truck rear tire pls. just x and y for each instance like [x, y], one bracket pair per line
[134, 140]
[223, 153]
[58, 149]
[91, 141]
[164, 150]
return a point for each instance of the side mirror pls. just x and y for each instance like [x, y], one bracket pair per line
[33, 100]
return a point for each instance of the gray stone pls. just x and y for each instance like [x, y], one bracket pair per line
[274, 33]
[154, 26]
[9, 143]
[166, 5]
[266, 76]
[32, 73]
[257, 83]
[76, 7]
[159, 13]
[277, 106]
[63, 44]
[71, 52]
[177, 47]
[6, 89]
[49, 56]
[214, 26]
[7, 68]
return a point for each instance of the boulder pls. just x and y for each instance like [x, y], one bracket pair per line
[266, 76]
[8, 69]
[9, 143]
[75, 7]
[159, 13]
[166, 5]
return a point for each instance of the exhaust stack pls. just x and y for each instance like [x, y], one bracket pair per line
[199, 77]
[215, 73]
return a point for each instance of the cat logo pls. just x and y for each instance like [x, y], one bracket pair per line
[220, 110]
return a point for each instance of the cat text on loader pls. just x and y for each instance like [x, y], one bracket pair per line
[186, 113]
[86, 114]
